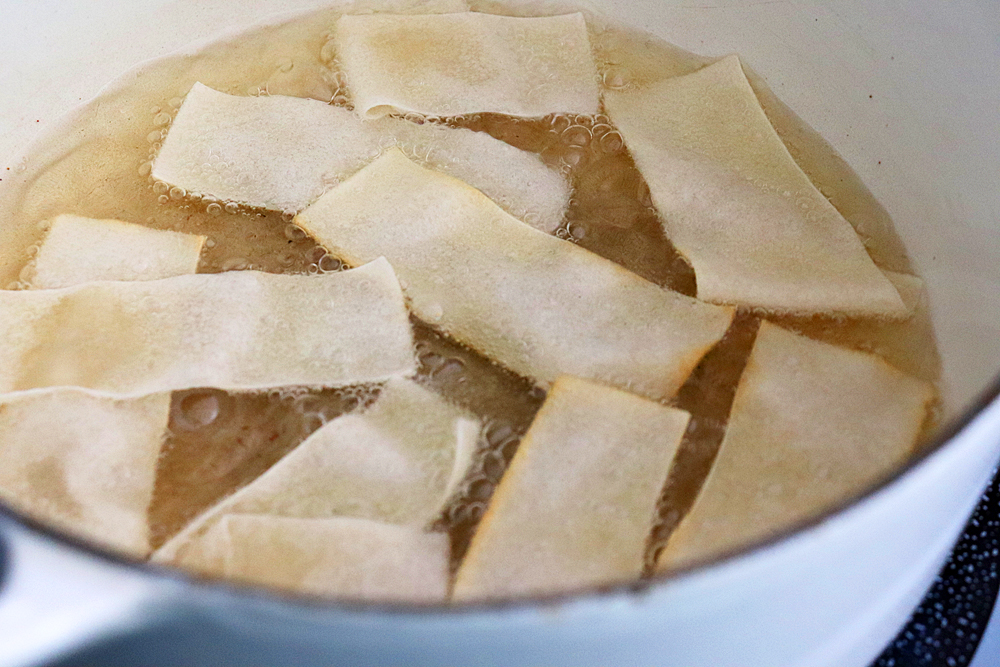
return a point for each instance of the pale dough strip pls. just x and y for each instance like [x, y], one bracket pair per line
[733, 201]
[397, 462]
[576, 505]
[83, 463]
[811, 424]
[340, 557]
[235, 331]
[469, 62]
[540, 306]
[78, 250]
[281, 153]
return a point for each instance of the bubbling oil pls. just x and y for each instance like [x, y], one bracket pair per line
[99, 165]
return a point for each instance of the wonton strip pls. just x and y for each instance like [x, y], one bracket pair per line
[281, 153]
[733, 201]
[452, 64]
[338, 557]
[576, 505]
[78, 250]
[541, 306]
[82, 463]
[811, 424]
[236, 331]
[398, 462]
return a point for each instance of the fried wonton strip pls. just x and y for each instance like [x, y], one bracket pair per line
[338, 557]
[82, 463]
[282, 153]
[78, 250]
[540, 306]
[452, 64]
[811, 424]
[396, 462]
[576, 505]
[733, 201]
[238, 331]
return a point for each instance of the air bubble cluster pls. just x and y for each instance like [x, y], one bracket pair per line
[496, 447]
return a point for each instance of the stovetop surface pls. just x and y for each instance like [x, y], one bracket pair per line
[950, 623]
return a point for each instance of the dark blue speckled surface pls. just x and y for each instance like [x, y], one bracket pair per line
[949, 624]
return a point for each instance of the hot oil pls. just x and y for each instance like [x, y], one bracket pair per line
[98, 165]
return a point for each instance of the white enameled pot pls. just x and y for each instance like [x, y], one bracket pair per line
[832, 593]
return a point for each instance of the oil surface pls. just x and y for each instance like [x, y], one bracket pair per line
[98, 165]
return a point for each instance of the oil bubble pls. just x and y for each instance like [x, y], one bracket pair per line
[27, 273]
[328, 53]
[493, 465]
[575, 157]
[450, 369]
[295, 233]
[435, 312]
[198, 410]
[162, 119]
[476, 511]
[559, 123]
[612, 142]
[214, 209]
[613, 79]
[235, 264]
[600, 129]
[232, 208]
[577, 135]
[330, 264]
[497, 433]
[315, 254]
[479, 488]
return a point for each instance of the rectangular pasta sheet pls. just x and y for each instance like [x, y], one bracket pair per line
[452, 64]
[397, 462]
[811, 424]
[237, 330]
[339, 557]
[282, 153]
[733, 201]
[82, 463]
[576, 505]
[540, 306]
[78, 250]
